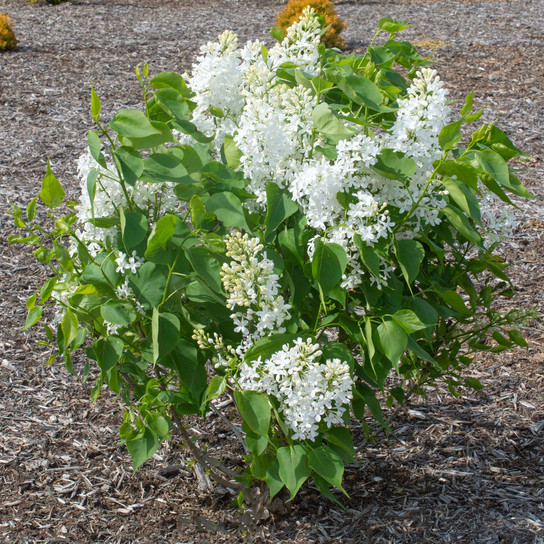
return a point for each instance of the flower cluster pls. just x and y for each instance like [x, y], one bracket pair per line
[237, 83]
[371, 197]
[253, 290]
[309, 392]
[274, 131]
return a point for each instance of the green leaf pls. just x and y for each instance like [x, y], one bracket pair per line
[206, 266]
[228, 209]
[392, 25]
[169, 80]
[517, 338]
[164, 333]
[164, 167]
[158, 424]
[31, 301]
[119, 313]
[410, 255]
[409, 321]
[267, 346]
[138, 131]
[463, 197]
[95, 106]
[216, 387]
[370, 258]
[32, 317]
[31, 209]
[231, 152]
[95, 146]
[366, 91]
[461, 224]
[51, 193]
[185, 359]
[324, 488]
[277, 34]
[173, 102]
[494, 165]
[328, 265]
[261, 464]
[394, 165]
[381, 56]
[198, 291]
[108, 351]
[327, 464]
[462, 171]
[467, 108]
[69, 326]
[162, 232]
[450, 135]
[293, 467]
[367, 396]
[256, 443]
[339, 438]
[499, 142]
[393, 340]
[279, 208]
[327, 123]
[273, 480]
[149, 283]
[455, 301]
[198, 211]
[255, 410]
[130, 163]
[142, 447]
[134, 228]
[474, 383]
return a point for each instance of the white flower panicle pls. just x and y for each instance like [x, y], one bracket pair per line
[301, 43]
[229, 78]
[309, 392]
[274, 136]
[367, 198]
[253, 290]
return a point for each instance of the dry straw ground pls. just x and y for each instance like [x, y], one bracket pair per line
[465, 470]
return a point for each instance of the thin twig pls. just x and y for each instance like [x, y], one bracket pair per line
[235, 429]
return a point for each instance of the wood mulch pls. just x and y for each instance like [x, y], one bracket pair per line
[466, 470]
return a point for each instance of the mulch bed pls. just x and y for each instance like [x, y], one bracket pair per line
[466, 470]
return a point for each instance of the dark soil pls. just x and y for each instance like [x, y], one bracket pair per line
[465, 470]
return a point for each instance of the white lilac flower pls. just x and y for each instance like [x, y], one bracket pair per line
[309, 392]
[253, 291]
[274, 137]
[300, 44]
[131, 263]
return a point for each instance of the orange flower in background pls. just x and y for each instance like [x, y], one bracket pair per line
[294, 8]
